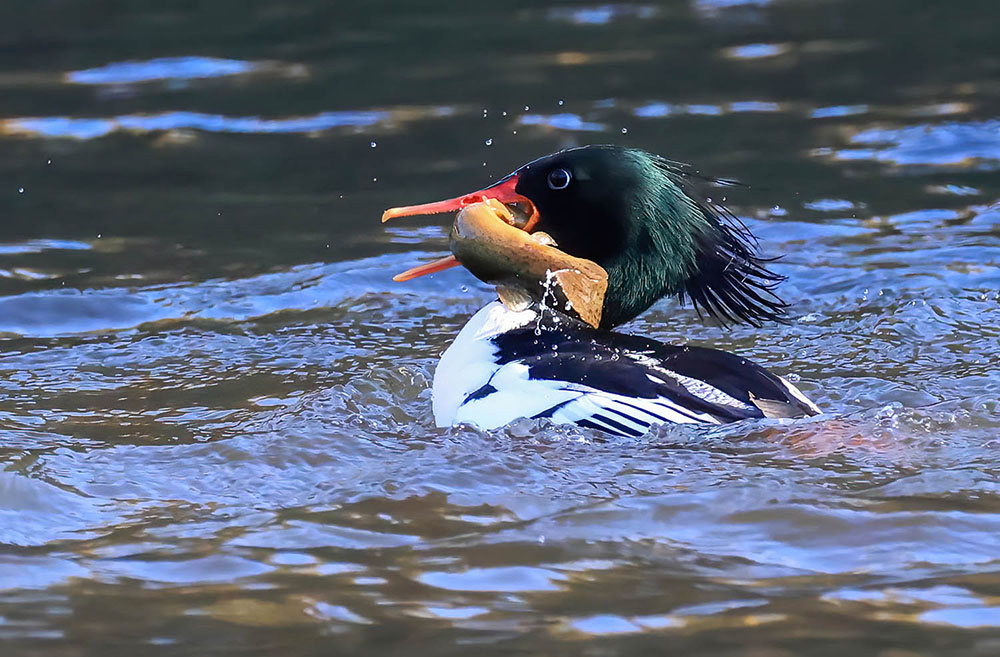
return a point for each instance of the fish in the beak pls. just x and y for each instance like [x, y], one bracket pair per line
[503, 191]
[493, 237]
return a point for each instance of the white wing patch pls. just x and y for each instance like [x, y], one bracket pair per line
[470, 361]
[516, 395]
[797, 394]
[626, 415]
[697, 388]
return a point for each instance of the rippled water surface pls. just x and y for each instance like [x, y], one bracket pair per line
[215, 424]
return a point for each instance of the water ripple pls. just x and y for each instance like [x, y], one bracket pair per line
[38, 246]
[756, 50]
[601, 14]
[82, 128]
[66, 311]
[564, 121]
[164, 68]
[973, 145]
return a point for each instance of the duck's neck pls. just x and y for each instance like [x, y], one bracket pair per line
[659, 252]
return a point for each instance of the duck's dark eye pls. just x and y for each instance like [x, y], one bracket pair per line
[559, 179]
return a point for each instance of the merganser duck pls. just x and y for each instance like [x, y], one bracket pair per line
[634, 227]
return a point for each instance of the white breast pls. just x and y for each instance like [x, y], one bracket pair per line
[470, 361]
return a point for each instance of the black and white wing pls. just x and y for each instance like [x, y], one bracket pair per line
[623, 384]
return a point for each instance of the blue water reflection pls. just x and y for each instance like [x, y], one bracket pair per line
[166, 68]
[79, 128]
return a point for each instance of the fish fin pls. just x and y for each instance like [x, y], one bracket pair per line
[515, 298]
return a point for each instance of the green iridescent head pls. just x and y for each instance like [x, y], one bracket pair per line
[645, 221]
[641, 217]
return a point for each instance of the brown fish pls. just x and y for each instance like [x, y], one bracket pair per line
[526, 266]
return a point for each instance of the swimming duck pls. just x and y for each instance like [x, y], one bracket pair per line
[628, 227]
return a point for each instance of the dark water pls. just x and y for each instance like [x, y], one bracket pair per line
[215, 424]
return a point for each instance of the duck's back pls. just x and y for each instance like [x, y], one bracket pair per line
[504, 365]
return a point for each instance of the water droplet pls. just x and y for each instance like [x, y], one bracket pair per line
[484, 164]
[489, 142]
[887, 412]
[624, 130]
[465, 288]
[374, 179]
[504, 113]
[48, 162]
[20, 190]
[98, 236]
[560, 103]
[373, 144]
[514, 131]
[526, 108]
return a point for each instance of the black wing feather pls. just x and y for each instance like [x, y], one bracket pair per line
[606, 361]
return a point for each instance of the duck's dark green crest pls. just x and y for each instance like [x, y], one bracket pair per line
[649, 222]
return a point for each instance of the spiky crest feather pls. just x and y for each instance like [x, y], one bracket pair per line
[730, 280]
